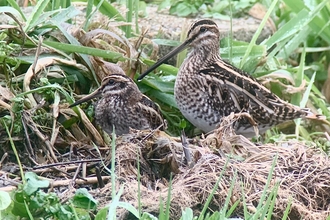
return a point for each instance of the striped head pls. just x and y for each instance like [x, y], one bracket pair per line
[203, 33]
[117, 84]
[114, 85]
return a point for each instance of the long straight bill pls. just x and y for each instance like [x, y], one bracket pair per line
[175, 51]
[94, 94]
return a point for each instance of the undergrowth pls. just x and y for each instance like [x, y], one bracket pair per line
[45, 66]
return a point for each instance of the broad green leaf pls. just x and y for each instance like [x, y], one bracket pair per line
[187, 214]
[129, 208]
[83, 199]
[102, 214]
[34, 183]
[160, 85]
[164, 4]
[5, 200]
[165, 98]
[164, 67]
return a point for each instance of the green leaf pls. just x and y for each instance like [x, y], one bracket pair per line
[129, 208]
[290, 45]
[5, 200]
[183, 9]
[158, 84]
[19, 208]
[65, 212]
[165, 98]
[164, 4]
[148, 216]
[66, 14]
[33, 183]
[102, 214]
[83, 199]
[164, 67]
[85, 50]
[187, 214]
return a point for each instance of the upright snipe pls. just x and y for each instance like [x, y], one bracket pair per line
[207, 88]
[123, 105]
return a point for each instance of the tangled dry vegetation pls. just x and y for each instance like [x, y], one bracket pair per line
[301, 173]
[54, 146]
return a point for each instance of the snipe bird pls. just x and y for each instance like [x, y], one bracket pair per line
[123, 105]
[207, 88]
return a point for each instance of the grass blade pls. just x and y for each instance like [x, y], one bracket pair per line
[256, 35]
[209, 198]
[85, 50]
[108, 10]
[316, 23]
[14, 4]
[35, 16]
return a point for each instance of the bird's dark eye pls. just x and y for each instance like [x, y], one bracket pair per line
[203, 29]
[111, 82]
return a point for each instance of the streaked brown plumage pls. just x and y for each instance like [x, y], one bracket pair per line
[208, 88]
[123, 105]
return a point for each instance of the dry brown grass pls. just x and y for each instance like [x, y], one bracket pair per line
[302, 173]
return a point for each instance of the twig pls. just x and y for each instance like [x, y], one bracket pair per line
[4, 156]
[64, 163]
[327, 136]
[84, 169]
[44, 138]
[67, 168]
[7, 188]
[37, 55]
[30, 149]
[76, 173]
[152, 132]
[88, 180]
[6, 179]
[186, 149]
[66, 173]
[99, 177]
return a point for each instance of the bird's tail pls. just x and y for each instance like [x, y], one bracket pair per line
[311, 115]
